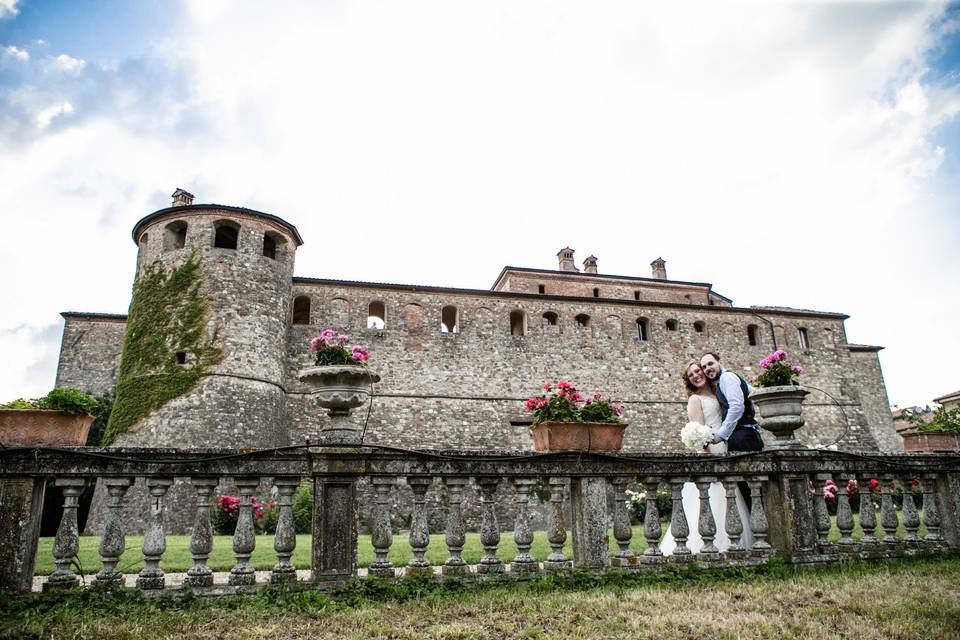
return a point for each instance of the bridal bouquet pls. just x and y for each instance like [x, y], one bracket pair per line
[696, 436]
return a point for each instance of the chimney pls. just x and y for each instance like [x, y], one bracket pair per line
[590, 265]
[566, 260]
[182, 198]
[659, 269]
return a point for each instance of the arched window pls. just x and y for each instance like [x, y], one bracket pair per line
[226, 234]
[272, 244]
[582, 320]
[550, 319]
[671, 325]
[449, 320]
[803, 338]
[143, 241]
[301, 310]
[518, 323]
[175, 235]
[376, 315]
[699, 326]
[753, 337]
[642, 333]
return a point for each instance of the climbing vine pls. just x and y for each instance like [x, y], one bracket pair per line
[166, 350]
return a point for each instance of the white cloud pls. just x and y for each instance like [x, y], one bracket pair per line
[8, 8]
[46, 116]
[18, 54]
[67, 64]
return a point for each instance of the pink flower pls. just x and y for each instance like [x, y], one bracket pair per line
[547, 386]
[589, 400]
[327, 334]
[797, 368]
[617, 408]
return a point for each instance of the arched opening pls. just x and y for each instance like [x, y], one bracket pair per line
[550, 319]
[301, 310]
[518, 323]
[642, 329]
[699, 326]
[449, 320]
[671, 325]
[143, 241]
[226, 234]
[582, 320]
[753, 337]
[175, 235]
[376, 315]
[803, 338]
[272, 245]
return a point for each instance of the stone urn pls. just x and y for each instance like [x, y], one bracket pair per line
[578, 436]
[27, 427]
[781, 413]
[340, 389]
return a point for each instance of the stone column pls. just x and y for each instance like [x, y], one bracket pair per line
[758, 516]
[911, 519]
[419, 529]
[285, 538]
[334, 530]
[888, 512]
[201, 538]
[557, 535]
[113, 541]
[456, 531]
[624, 558]
[931, 513]
[678, 524]
[588, 497]
[21, 505]
[245, 536]
[490, 565]
[868, 514]
[382, 535]
[844, 514]
[732, 524]
[151, 577]
[523, 562]
[707, 526]
[651, 524]
[67, 543]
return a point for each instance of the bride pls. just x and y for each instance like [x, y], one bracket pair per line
[704, 408]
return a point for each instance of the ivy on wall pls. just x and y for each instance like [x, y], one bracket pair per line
[166, 350]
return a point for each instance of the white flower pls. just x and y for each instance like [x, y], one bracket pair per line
[695, 436]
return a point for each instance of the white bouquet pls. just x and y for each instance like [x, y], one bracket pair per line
[695, 436]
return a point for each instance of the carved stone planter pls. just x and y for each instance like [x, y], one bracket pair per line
[781, 413]
[340, 389]
[577, 436]
[930, 441]
[25, 427]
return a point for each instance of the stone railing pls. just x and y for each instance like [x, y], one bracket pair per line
[788, 516]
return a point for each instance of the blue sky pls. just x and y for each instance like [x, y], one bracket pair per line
[626, 130]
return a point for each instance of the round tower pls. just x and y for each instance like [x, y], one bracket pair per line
[205, 343]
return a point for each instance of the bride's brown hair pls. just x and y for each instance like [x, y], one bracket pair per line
[686, 378]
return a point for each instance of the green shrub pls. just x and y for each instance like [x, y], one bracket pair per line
[303, 508]
[67, 400]
[943, 421]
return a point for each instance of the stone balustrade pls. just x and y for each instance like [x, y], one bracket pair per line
[789, 514]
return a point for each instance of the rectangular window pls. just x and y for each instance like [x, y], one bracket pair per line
[541, 289]
[636, 295]
[802, 337]
[596, 293]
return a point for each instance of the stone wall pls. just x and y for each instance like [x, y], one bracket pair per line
[90, 352]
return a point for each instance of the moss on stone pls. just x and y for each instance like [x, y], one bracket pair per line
[168, 316]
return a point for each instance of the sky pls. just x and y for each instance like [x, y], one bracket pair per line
[792, 154]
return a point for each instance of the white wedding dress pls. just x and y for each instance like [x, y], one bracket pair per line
[718, 499]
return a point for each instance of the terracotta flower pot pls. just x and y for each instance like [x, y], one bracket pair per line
[781, 413]
[28, 427]
[930, 441]
[340, 389]
[577, 436]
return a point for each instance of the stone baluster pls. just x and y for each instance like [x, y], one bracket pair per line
[624, 558]
[201, 538]
[113, 542]
[382, 534]
[523, 562]
[419, 530]
[678, 523]
[844, 514]
[244, 537]
[820, 512]
[911, 519]
[285, 538]
[758, 516]
[455, 535]
[732, 523]
[868, 514]
[490, 564]
[707, 525]
[931, 513]
[154, 540]
[67, 543]
[651, 523]
[557, 535]
[888, 511]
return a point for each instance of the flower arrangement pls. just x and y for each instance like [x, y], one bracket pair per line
[696, 436]
[566, 404]
[331, 348]
[227, 512]
[776, 371]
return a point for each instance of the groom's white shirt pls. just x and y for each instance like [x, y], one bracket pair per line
[730, 384]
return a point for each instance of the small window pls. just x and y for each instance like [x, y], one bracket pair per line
[752, 336]
[271, 245]
[175, 235]
[226, 234]
[518, 323]
[582, 320]
[698, 326]
[642, 329]
[596, 292]
[301, 310]
[636, 295]
[671, 325]
[550, 319]
[376, 315]
[181, 357]
[449, 320]
[541, 289]
[803, 338]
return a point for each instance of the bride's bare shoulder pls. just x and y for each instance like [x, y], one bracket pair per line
[693, 401]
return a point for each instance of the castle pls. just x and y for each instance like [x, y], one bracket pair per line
[456, 364]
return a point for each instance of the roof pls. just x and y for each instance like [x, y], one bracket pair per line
[949, 396]
[92, 315]
[864, 347]
[214, 207]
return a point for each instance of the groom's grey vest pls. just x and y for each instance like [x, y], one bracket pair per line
[748, 416]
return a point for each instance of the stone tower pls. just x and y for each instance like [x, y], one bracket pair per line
[243, 283]
[565, 257]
